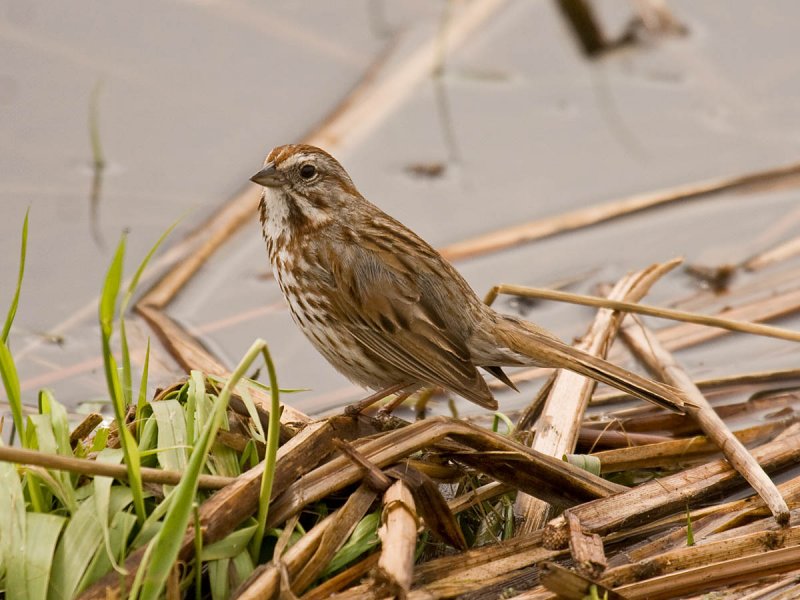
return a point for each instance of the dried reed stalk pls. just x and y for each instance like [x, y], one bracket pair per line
[558, 426]
[701, 554]
[452, 576]
[779, 253]
[86, 466]
[553, 479]
[668, 494]
[695, 580]
[646, 346]
[668, 453]
[629, 306]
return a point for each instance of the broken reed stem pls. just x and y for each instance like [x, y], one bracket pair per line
[398, 534]
[85, 466]
[647, 347]
[644, 309]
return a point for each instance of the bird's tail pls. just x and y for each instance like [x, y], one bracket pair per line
[545, 350]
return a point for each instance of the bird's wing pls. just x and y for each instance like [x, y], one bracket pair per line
[385, 300]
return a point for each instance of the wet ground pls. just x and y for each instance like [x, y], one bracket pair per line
[191, 95]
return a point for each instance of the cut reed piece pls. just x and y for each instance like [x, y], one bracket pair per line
[330, 588]
[591, 215]
[590, 437]
[398, 534]
[483, 493]
[645, 344]
[558, 425]
[431, 505]
[668, 494]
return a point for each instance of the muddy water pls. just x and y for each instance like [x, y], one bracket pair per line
[192, 94]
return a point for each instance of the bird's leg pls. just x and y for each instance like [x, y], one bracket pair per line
[362, 405]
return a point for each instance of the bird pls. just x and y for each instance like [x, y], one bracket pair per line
[385, 308]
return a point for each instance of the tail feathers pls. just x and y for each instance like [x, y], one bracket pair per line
[548, 351]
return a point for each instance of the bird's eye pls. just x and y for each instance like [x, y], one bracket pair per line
[307, 171]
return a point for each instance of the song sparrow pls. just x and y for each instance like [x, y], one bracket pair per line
[384, 307]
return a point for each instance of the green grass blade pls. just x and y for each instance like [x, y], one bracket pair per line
[42, 535]
[118, 533]
[218, 571]
[8, 372]
[270, 456]
[138, 275]
[102, 499]
[12, 309]
[127, 373]
[171, 434]
[59, 420]
[125, 355]
[363, 539]
[108, 301]
[82, 537]
[141, 402]
[231, 545]
[108, 297]
[12, 526]
[163, 549]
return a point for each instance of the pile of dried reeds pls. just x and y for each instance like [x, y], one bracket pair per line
[177, 499]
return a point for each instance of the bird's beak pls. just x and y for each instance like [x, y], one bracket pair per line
[268, 177]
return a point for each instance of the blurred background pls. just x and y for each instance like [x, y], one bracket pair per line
[461, 118]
